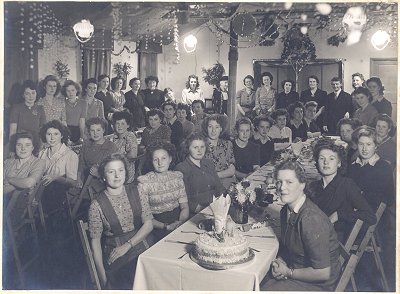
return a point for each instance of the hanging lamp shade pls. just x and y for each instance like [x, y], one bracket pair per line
[83, 30]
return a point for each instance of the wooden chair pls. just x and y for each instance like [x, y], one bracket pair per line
[28, 218]
[350, 256]
[83, 234]
[78, 201]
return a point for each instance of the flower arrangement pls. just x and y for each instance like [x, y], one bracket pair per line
[213, 74]
[242, 194]
[122, 69]
[62, 69]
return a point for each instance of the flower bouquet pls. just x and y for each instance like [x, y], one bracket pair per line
[242, 196]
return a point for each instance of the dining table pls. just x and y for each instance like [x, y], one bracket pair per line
[168, 265]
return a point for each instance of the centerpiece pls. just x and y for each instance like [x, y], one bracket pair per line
[242, 197]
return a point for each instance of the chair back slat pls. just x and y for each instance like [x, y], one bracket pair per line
[83, 234]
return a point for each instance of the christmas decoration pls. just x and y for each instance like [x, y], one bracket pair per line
[122, 69]
[213, 74]
[62, 69]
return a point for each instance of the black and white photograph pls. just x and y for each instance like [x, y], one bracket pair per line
[200, 146]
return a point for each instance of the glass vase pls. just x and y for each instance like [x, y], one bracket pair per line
[240, 213]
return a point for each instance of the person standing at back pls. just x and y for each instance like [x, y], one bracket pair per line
[338, 104]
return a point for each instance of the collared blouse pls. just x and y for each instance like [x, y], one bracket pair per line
[62, 163]
[95, 109]
[244, 99]
[188, 96]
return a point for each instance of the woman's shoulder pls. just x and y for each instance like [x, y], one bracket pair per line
[150, 177]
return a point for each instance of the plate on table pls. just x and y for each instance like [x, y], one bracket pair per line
[223, 266]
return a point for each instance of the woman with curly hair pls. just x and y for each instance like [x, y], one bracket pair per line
[155, 131]
[245, 98]
[279, 132]
[308, 258]
[247, 153]
[117, 84]
[125, 140]
[54, 106]
[184, 114]
[288, 95]
[95, 107]
[95, 149]
[346, 127]
[153, 97]
[135, 104]
[262, 125]
[61, 170]
[76, 110]
[220, 149]
[297, 123]
[192, 91]
[385, 131]
[120, 217]
[266, 94]
[339, 197]
[165, 190]
[199, 174]
[366, 112]
[375, 86]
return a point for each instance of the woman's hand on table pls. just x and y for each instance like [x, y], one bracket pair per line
[280, 270]
[173, 226]
[118, 252]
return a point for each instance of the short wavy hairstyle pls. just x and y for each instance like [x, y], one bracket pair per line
[189, 140]
[114, 82]
[86, 84]
[280, 112]
[361, 76]
[97, 121]
[102, 77]
[110, 158]
[120, 115]
[261, 118]
[187, 84]
[293, 165]
[28, 84]
[242, 121]
[221, 119]
[353, 122]
[295, 105]
[199, 101]
[287, 81]
[364, 91]
[267, 74]
[183, 106]
[21, 135]
[70, 83]
[311, 103]
[154, 112]
[337, 79]
[313, 77]
[151, 78]
[386, 118]
[171, 103]
[364, 131]
[55, 124]
[161, 145]
[43, 83]
[250, 77]
[323, 144]
[378, 81]
[131, 81]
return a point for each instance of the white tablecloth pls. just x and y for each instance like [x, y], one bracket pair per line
[160, 269]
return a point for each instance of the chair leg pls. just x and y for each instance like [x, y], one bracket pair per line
[379, 264]
[353, 283]
[42, 220]
[13, 243]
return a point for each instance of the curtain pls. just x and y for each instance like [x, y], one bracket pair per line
[95, 62]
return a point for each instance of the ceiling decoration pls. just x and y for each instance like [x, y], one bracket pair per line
[256, 24]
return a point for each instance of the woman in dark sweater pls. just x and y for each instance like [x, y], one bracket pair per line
[262, 125]
[375, 178]
[339, 197]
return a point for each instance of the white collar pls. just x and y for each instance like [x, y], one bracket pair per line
[372, 161]
[299, 204]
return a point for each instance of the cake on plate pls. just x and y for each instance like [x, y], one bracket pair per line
[223, 246]
[233, 250]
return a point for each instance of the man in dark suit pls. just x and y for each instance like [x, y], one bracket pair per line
[317, 95]
[337, 105]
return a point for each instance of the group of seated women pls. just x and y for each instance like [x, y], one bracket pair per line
[192, 156]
